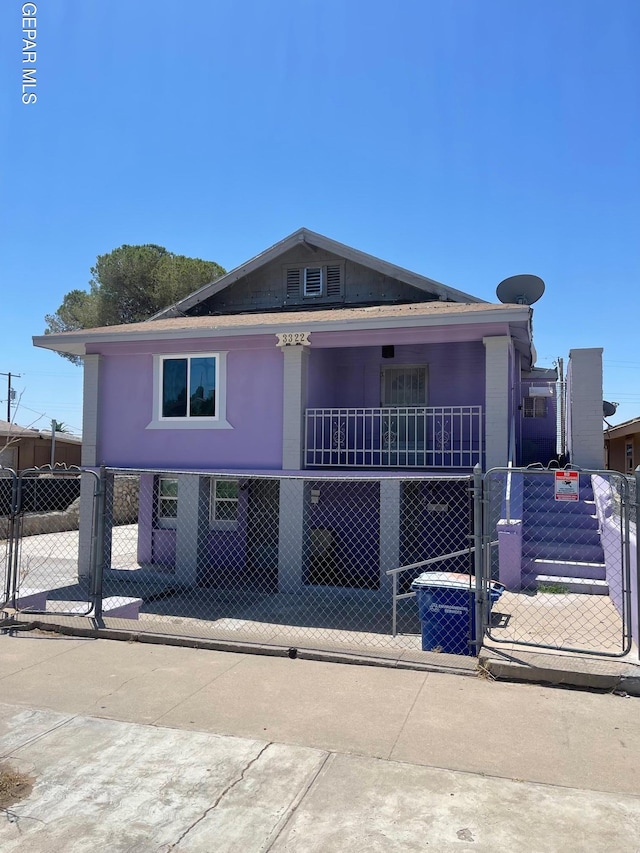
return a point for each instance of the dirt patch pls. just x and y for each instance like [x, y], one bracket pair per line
[14, 785]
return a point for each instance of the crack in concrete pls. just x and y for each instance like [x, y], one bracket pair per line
[294, 806]
[124, 683]
[218, 799]
[35, 738]
[409, 712]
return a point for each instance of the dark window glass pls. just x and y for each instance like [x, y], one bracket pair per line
[174, 388]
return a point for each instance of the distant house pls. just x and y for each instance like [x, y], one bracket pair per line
[622, 446]
[315, 359]
[22, 447]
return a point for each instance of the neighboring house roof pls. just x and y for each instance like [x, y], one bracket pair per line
[10, 430]
[625, 428]
[334, 319]
[311, 239]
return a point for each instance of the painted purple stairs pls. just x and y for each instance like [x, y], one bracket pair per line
[561, 543]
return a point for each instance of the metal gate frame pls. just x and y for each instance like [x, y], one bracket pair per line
[16, 536]
[485, 570]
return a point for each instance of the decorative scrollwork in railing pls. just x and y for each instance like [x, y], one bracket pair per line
[339, 437]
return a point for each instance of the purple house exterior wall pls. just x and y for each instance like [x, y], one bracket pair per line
[350, 377]
[253, 385]
[344, 371]
[538, 441]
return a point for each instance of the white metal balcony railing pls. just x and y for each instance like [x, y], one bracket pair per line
[399, 437]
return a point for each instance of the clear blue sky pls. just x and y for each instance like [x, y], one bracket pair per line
[467, 140]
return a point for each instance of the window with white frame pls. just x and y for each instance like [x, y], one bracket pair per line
[223, 503]
[534, 407]
[188, 386]
[167, 501]
[189, 391]
[405, 385]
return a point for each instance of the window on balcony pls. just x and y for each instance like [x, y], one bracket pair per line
[404, 386]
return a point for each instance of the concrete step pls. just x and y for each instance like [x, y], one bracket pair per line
[550, 518]
[546, 503]
[581, 552]
[560, 585]
[115, 606]
[565, 568]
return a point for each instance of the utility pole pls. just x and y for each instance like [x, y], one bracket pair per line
[9, 389]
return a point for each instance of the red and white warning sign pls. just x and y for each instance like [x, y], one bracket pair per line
[567, 485]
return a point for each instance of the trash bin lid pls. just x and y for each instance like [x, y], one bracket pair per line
[444, 580]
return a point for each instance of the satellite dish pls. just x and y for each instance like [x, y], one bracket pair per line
[608, 409]
[520, 289]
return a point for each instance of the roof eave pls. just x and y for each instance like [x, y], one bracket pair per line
[75, 343]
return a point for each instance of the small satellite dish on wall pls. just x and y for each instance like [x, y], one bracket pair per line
[520, 290]
[608, 409]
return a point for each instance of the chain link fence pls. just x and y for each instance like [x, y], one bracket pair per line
[379, 566]
[564, 556]
[291, 561]
[43, 568]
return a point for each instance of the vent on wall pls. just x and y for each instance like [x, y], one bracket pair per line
[334, 280]
[293, 283]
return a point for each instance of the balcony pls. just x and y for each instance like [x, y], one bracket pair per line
[399, 437]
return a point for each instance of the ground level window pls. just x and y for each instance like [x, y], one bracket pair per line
[167, 498]
[224, 502]
[189, 386]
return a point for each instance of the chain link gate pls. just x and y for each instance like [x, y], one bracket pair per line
[51, 518]
[563, 555]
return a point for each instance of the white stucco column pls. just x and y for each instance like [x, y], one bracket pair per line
[291, 535]
[293, 405]
[496, 400]
[90, 413]
[390, 491]
[188, 529]
[584, 386]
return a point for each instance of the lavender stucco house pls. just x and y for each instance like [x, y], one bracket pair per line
[313, 358]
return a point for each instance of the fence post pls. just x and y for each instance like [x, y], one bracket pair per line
[478, 557]
[636, 578]
[97, 569]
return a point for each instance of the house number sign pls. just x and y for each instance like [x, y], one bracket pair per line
[291, 339]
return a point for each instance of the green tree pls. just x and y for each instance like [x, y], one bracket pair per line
[130, 284]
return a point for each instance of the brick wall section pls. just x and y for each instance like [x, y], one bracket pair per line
[586, 440]
[497, 391]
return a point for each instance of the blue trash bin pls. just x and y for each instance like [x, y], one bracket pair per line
[446, 605]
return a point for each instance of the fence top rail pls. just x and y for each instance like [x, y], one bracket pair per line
[308, 474]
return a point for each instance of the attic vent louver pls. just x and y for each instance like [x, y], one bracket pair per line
[313, 281]
[333, 280]
[293, 283]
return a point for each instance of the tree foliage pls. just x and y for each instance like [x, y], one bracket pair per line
[130, 284]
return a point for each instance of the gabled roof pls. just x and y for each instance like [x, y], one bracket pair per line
[316, 241]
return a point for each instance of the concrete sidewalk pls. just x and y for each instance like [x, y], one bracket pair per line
[135, 747]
